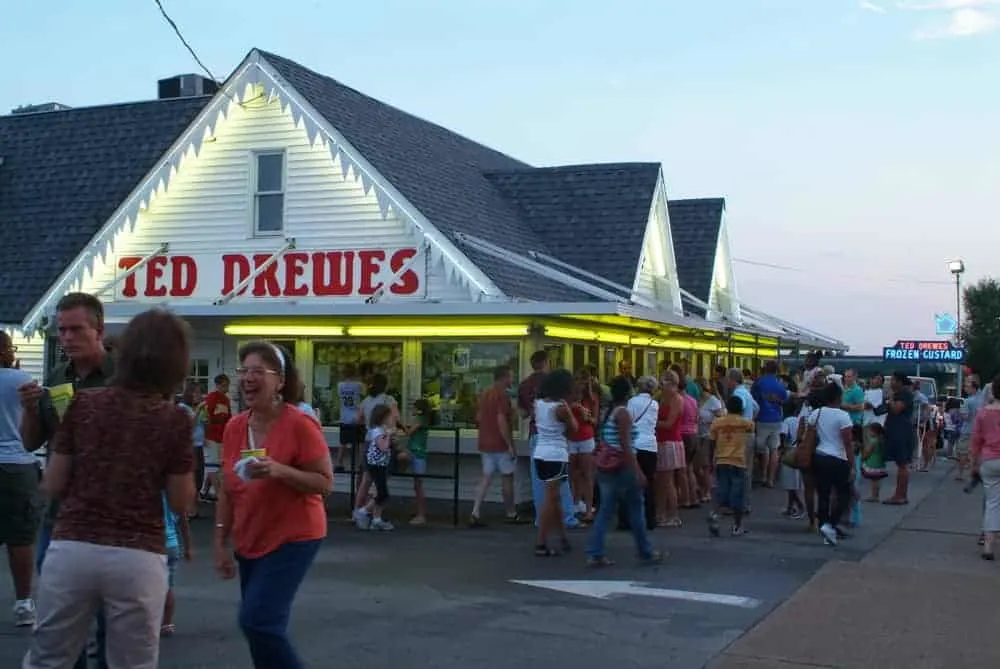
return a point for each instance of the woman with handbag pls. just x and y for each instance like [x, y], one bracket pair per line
[620, 479]
[830, 429]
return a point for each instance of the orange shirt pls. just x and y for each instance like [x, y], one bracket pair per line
[493, 404]
[266, 513]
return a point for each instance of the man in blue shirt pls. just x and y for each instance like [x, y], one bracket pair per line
[770, 395]
[734, 379]
[973, 403]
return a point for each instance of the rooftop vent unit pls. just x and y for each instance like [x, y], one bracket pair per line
[186, 86]
[36, 109]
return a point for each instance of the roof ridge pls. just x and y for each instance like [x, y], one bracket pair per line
[268, 55]
[75, 110]
[579, 167]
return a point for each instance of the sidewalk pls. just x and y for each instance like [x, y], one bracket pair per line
[923, 599]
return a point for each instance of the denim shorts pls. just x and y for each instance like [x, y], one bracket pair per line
[730, 486]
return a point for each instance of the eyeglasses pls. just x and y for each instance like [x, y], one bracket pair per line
[254, 372]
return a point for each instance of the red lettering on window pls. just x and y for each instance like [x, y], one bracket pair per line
[333, 273]
[154, 272]
[126, 263]
[295, 267]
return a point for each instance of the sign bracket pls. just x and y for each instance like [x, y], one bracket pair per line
[162, 249]
[242, 285]
[404, 268]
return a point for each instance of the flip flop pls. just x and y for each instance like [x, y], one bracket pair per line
[600, 562]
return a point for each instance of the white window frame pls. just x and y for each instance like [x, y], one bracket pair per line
[255, 193]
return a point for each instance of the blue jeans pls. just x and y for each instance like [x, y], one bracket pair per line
[267, 587]
[41, 547]
[619, 488]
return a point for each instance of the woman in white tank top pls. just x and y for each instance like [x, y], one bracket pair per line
[553, 419]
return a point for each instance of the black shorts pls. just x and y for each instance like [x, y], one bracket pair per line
[20, 504]
[550, 470]
[380, 479]
[351, 433]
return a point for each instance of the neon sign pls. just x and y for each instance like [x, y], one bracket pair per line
[924, 351]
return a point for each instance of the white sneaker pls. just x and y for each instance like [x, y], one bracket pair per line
[829, 534]
[24, 613]
[362, 519]
[379, 525]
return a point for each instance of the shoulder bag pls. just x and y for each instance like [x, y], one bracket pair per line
[802, 454]
[608, 459]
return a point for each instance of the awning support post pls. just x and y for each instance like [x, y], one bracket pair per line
[228, 297]
[160, 250]
[374, 297]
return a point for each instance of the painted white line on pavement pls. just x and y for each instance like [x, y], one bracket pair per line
[608, 589]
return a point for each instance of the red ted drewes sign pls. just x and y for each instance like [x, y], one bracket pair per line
[294, 274]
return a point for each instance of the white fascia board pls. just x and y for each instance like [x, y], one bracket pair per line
[155, 180]
[293, 309]
[660, 236]
[722, 264]
[386, 193]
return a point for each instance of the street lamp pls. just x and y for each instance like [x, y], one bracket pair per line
[957, 269]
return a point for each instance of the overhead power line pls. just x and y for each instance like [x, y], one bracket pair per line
[823, 271]
[180, 36]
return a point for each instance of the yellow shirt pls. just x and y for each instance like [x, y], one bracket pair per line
[729, 433]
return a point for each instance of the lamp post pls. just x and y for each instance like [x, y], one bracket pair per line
[957, 269]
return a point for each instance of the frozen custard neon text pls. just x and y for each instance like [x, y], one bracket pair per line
[294, 274]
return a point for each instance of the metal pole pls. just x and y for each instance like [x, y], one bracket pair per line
[958, 330]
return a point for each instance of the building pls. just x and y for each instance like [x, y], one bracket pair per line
[289, 206]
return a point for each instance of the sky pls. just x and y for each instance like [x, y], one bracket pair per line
[856, 143]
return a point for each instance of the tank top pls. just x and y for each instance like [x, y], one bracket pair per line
[550, 438]
[672, 433]
[689, 417]
[585, 431]
[609, 430]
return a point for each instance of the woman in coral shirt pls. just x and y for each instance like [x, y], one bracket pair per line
[275, 473]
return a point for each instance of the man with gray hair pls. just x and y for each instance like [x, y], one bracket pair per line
[734, 379]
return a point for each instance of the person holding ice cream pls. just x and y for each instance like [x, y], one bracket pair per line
[276, 471]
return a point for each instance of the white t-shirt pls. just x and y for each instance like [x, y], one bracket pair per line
[550, 439]
[874, 397]
[707, 412]
[644, 410]
[369, 404]
[790, 428]
[829, 422]
[350, 394]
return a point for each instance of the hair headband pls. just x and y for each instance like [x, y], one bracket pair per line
[281, 358]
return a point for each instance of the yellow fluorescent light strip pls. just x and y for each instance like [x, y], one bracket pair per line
[439, 331]
[586, 335]
[265, 330]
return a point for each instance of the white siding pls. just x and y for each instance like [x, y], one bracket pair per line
[30, 353]
[652, 283]
[209, 206]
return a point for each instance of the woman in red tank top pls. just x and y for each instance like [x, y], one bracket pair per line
[585, 407]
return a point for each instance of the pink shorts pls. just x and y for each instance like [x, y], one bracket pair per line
[670, 456]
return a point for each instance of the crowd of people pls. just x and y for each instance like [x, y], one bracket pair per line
[128, 461]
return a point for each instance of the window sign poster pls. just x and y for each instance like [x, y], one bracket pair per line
[321, 376]
[460, 359]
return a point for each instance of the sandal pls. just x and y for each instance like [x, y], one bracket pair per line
[167, 630]
[600, 562]
[544, 551]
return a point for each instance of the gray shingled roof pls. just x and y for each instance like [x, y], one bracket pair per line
[694, 226]
[63, 175]
[590, 216]
[439, 171]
